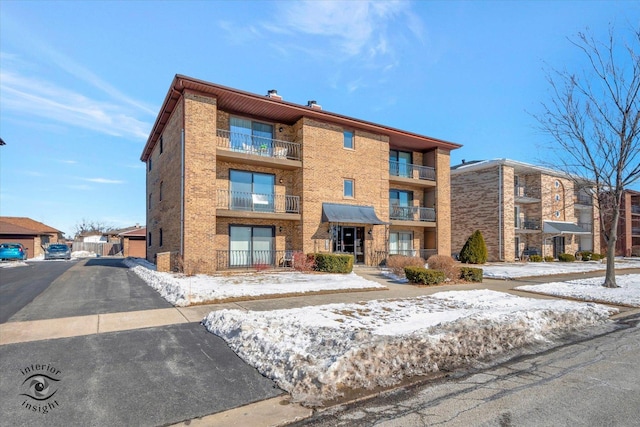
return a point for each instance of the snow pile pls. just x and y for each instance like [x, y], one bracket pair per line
[627, 294]
[316, 353]
[83, 254]
[181, 290]
[530, 269]
[12, 264]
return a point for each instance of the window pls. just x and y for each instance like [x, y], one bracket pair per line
[149, 163]
[161, 185]
[348, 188]
[252, 137]
[160, 237]
[348, 139]
[251, 245]
[557, 184]
[401, 243]
[557, 214]
[149, 240]
[251, 191]
[401, 203]
[557, 197]
[150, 199]
[400, 163]
[161, 145]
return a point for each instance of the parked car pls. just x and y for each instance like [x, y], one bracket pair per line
[12, 251]
[57, 251]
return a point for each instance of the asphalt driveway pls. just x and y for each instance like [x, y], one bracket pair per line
[154, 375]
[93, 286]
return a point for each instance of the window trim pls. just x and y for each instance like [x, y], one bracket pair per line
[344, 188]
[344, 139]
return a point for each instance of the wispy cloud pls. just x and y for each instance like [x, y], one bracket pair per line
[40, 98]
[68, 162]
[104, 180]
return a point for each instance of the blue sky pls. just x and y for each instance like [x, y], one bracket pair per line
[81, 82]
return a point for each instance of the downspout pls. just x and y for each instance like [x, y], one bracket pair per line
[182, 193]
[500, 209]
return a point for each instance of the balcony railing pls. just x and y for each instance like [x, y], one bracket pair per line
[526, 192]
[528, 224]
[254, 202]
[258, 259]
[406, 170]
[584, 199]
[260, 146]
[635, 209]
[412, 213]
[586, 226]
[635, 231]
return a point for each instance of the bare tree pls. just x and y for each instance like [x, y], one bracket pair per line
[90, 226]
[594, 120]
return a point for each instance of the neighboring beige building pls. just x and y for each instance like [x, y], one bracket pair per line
[236, 179]
[521, 210]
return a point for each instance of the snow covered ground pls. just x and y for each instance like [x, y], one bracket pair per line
[591, 290]
[181, 290]
[316, 353]
[504, 270]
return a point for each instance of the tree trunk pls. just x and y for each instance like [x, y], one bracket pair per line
[610, 276]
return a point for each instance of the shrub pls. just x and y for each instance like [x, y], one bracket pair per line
[474, 250]
[566, 258]
[535, 258]
[424, 276]
[397, 263]
[586, 255]
[332, 263]
[548, 258]
[446, 264]
[303, 262]
[597, 257]
[471, 274]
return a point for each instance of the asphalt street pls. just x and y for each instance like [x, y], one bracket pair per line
[590, 383]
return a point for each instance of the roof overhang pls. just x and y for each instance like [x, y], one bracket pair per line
[249, 104]
[350, 214]
[559, 228]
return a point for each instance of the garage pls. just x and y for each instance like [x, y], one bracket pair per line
[134, 242]
[27, 242]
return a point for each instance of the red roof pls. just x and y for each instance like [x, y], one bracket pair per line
[8, 228]
[138, 232]
[29, 224]
[276, 109]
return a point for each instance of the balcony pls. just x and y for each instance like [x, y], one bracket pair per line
[524, 194]
[635, 209]
[254, 150]
[259, 259]
[408, 173]
[583, 201]
[253, 205]
[524, 225]
[586, 226]
[412, 216]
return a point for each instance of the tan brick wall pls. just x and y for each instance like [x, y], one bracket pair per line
[326, 163]
[474, 206]
[166, 168]
[443, 202]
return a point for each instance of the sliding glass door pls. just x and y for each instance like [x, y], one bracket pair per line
[251, 245]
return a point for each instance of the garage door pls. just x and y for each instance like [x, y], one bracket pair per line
[138, 248]
[27, 243]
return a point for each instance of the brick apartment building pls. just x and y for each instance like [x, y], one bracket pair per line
[628, 243]
[521, 210]
[236, 179]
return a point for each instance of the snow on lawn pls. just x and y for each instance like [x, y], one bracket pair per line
[317, 353]
[12, 264]
[181, 290]
[530, 269]
[592, 290]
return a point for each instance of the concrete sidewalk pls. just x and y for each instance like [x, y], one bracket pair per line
[16, 332]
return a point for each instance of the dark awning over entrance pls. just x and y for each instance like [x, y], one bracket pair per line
[334, 212]
[552, 227]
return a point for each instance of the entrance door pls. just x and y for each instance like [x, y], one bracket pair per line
[350, 240]
[558, 246]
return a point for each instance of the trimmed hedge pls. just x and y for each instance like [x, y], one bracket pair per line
[471, 274]
[424, 276]
[548, 258]
[566, 258]
[332, 263]
[535, 258]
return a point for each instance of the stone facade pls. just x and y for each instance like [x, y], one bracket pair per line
[189, 161]
[509, 203]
